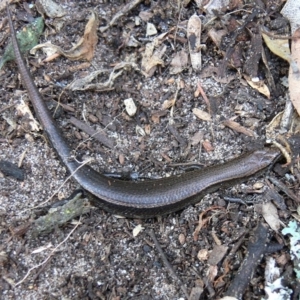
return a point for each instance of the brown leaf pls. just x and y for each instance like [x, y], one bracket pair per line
[86, 46]
[84, 49]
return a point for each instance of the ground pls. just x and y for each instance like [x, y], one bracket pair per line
[98, 255]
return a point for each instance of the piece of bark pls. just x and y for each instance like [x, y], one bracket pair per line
[257, 248]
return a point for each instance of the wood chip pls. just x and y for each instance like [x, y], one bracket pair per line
[201, 114]
[238, 128]
[194, 37]
[130, 107]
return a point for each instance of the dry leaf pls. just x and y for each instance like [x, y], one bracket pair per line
[130, 41]
[258, 186]
[238, 128]
[170, 80]
[85, 47]
[85, 83]
[269, 212]
[271, 127]
[280, 47]
[203, 94]
[154, 51]
[259, 85]
[181, 84]
[197, 93]
[152, 58]
[201, 3]
[296, 216]
[294, 71]
[201, 114]
[137, 230]
[179, 62]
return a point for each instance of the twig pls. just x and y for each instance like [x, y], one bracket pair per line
[59, 188]
[284, 188]
[42, 268]
[203, 94]
[234, 200]
[49, 256]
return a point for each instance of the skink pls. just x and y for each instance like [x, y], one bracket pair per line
[145, 198]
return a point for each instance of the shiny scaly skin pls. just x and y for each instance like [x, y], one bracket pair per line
[143, 199]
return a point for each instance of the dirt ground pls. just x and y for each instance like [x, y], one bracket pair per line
[99, 255]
